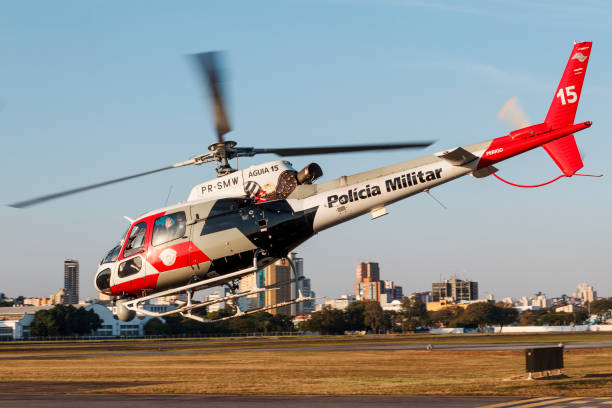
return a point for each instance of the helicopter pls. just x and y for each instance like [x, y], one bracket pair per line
[245, 220]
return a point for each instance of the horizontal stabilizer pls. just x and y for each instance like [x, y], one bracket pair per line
[456, 156]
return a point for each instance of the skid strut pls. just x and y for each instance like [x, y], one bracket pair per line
[186, 308]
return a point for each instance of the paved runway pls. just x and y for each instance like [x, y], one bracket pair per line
[190, 401]
[187, 349]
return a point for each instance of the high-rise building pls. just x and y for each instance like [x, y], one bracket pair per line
[71, 281]
[279, 274]
[424, 296]
[250, 282]
[215, 307]
[394, 291]
[298, 285]
[368, 270]
[283, 286]
[370, 287]
[456, 289]
[586, 293]
[309, 305]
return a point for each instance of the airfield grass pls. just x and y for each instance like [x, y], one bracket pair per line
[310, 372]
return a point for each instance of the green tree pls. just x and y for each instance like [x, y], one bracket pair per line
[44, 324]
[374, 317]
[4, 302]
[155, 327]
[563, 318]
[445, 316]
[354, 316]
[325, 321]
[483, 314]
[281, 323]
[414, 313]
[504, 314]
[81, 321]
[65, 320]
[602, 308]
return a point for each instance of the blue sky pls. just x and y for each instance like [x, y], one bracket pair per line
[96, 90]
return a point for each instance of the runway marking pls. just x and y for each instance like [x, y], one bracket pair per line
[514, 403]
[534, 402]
[553, 402]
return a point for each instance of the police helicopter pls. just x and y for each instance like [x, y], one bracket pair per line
[247, 219]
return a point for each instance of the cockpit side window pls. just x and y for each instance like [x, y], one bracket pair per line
[136, 239]
[169, 227]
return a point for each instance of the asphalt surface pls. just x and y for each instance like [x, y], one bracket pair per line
[189, 401]
[333, 347]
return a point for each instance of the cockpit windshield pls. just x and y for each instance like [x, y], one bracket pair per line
[113, 254]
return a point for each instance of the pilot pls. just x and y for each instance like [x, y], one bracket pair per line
[181, 224]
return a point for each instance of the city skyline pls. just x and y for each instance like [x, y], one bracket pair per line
[96, 92]
[376, 272]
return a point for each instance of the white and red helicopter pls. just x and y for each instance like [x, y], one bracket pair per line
[247, 219]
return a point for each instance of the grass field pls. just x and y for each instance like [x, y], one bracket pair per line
[233, 366]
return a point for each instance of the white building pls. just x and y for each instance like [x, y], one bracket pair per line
[15, 322]
[541, 301]
[585, 292]
[215, 307]
[340, 304]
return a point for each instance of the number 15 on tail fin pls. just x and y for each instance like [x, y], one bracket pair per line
[562, 110]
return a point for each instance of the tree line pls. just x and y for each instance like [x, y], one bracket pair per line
[66, 320]
[413, 315]
[260, 322]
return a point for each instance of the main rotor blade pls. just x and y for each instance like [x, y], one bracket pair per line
[208, 65]
[302, 151]
[513, 114]
[38, 200]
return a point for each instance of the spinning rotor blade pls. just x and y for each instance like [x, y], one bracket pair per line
[42, 199]
[513, 114]
[302, 151]
[208, 65]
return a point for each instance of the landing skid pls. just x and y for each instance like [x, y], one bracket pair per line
[261, 309]
[186, 309]
[136, 304]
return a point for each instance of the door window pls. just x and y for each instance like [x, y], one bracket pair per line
[130, 267]
[169, 227]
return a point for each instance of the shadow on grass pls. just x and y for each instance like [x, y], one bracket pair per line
[598, 376]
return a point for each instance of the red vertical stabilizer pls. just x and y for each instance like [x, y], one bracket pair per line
[562, 110]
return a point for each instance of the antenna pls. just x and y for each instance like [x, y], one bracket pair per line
[434, 198]
[168, 196]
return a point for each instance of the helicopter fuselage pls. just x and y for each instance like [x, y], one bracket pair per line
[205, 238]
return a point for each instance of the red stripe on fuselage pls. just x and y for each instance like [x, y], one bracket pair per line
[136, 286]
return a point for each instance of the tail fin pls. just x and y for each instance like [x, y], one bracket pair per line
[562, 110]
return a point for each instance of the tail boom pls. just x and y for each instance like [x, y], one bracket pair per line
[505, 147]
